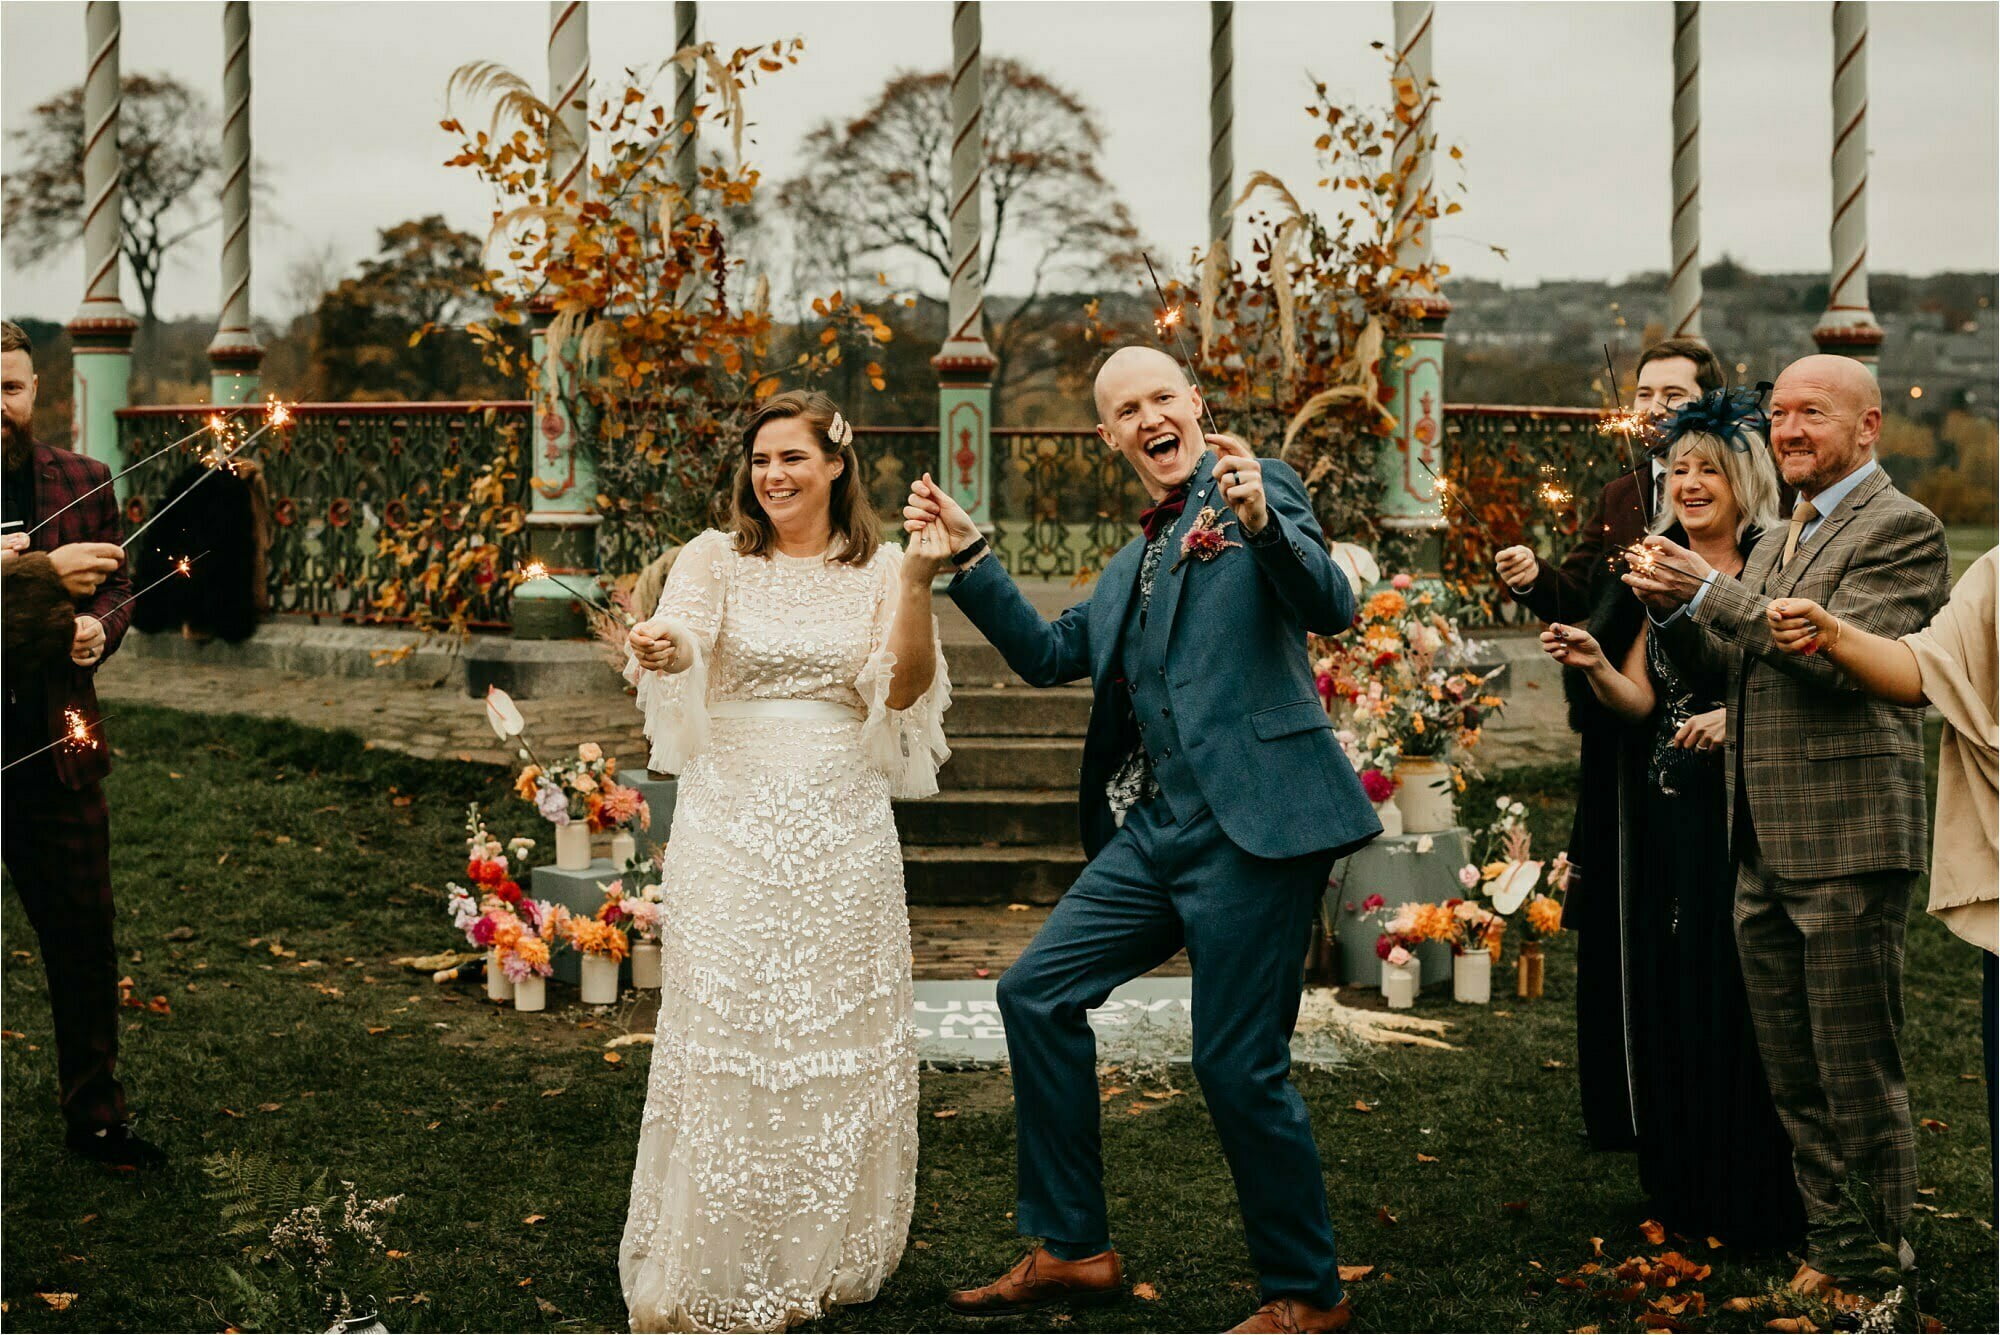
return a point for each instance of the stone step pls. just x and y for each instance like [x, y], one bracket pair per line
[979, 763]
[992, 817]
[1017, 711]
[974, 662]
[1027, 875]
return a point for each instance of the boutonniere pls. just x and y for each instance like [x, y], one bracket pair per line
[1205, 538]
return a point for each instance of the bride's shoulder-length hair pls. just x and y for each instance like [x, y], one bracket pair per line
[857, 531]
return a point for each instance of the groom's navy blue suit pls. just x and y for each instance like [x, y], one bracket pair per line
[1255, 802]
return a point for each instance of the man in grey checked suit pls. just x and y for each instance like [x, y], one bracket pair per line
[1827, 810]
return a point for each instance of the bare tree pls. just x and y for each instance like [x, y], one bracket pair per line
[878, 191]
[170, 152]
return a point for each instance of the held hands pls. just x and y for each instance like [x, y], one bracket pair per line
[1240, 474]
[929, 505]
[1574, 647]
[1703, 732]
[1663, 573]
[927, 553]
[1801, 626]
[88, 647]
[653, 646]
[1517, 566]
[82, 566]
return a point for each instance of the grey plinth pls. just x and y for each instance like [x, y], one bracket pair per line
[659, 795]
[1393, 868]
[579, 892]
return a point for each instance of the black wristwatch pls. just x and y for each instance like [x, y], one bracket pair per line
[972, 549]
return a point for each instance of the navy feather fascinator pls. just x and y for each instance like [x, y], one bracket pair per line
[1730, 415]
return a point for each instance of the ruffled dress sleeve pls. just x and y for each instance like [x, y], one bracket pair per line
[676, 703]
[905, 744]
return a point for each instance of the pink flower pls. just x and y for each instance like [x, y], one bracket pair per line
[590, 753]
[1401, 582]
[1373, 902]
[1468, 876]
[1398, 957]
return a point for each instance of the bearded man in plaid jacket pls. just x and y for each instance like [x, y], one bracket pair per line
[56, 836]
[1828, 816]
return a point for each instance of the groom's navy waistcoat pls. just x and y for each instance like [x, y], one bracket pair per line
[1217, 685]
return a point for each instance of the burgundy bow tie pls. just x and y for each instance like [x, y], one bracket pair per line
[1156, 517]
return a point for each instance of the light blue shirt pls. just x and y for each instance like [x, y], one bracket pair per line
[1825, 504]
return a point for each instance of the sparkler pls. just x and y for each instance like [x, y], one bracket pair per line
[534, 570]
[1552, 491]
[1444, 488]
[213, 424]
[1624, 424]
[1646, 561]
[1172, 319]
[76, 735]
[181, 568]
[276, 414]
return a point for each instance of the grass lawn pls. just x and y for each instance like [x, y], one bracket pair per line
[301, 869]
[1968, 542]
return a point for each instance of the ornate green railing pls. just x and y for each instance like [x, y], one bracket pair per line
[337, 477]
[1063, 503]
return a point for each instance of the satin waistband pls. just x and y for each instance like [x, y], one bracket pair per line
[817, 711]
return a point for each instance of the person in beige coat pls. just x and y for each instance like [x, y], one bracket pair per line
[1953, 664]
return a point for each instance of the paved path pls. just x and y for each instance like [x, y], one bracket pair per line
[433, 722]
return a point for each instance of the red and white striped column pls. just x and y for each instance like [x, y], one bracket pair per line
[1848, 326]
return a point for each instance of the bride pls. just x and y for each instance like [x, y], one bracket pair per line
[791, 678]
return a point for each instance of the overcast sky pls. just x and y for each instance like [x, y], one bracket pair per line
[1563, 111]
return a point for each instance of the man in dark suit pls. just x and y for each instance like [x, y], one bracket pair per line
[1670, 375]
[1214, 801]
[56, 836]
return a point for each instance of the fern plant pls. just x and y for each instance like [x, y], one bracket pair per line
[310, 1252]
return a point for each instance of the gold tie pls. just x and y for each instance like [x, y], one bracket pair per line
[1802, 514]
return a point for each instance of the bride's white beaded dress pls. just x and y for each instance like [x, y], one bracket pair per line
[777, 1155]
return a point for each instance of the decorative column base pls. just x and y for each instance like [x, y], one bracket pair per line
[1850, 334]
[965, 429]
[551, 609]
[1411, 510]
[101, 358]
[562, 520]
[233, 372]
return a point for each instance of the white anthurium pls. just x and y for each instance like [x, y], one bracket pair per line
[503, 714]
[1358, 564]
[1513, 885]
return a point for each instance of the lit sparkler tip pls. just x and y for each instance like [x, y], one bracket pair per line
[534, 570]
[1624, 422]
[1169, 319]
[184, 565]
[276, 413]
[78, 728]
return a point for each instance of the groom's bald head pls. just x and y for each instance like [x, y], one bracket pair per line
[1127, 368]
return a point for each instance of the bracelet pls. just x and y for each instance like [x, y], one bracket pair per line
[1835, 639]
[971, 550]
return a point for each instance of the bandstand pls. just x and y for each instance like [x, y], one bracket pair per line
[1050, 497]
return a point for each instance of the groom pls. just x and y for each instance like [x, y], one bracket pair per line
[1214, 802]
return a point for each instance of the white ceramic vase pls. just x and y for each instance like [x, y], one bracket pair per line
[598, 980]
[1390, 815]
[624, 847]
[646, 964]
[1472, 977]
[499, 987]
[1423, 792]
[573, 846]
[1399, 985]
[531, 993]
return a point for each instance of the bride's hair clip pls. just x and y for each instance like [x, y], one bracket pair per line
[840, 431]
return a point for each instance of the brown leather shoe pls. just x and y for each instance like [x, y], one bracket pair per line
[1041, 1278]
[1293, 1316]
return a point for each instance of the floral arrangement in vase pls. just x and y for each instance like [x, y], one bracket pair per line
[582, 788]
[1474, 928]
[595, 937]
[1397, 689]
[1407, 926]
[639, 913]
